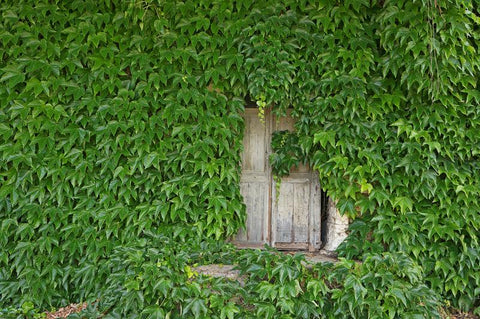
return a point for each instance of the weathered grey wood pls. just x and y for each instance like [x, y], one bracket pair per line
[257, 219]
[254, 141]
[255, 180]
[292, 246]
[291, 212]
[315, 226]
[301, 199]
[283, 214]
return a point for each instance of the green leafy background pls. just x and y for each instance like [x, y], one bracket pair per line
[119, 118]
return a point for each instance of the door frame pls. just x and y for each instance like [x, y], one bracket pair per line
[313, 243]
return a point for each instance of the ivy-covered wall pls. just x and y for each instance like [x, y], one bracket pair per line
[110, 128]
[118, 118]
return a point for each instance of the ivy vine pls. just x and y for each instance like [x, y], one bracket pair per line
[120, 118]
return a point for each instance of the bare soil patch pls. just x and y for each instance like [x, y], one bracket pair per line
[66, 311]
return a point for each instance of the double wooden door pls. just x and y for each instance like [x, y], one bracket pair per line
[290, 219]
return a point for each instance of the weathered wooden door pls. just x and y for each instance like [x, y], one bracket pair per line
[289, 220]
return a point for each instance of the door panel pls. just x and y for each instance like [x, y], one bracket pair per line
[256, 201]
[294, 219]
[255, 180]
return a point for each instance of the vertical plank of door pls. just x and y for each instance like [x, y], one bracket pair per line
[246, 157]
[258, 205]
[315, 214]
[268, 150]
[301, 198]
[284, 214]
[258, 140]
[250, 217]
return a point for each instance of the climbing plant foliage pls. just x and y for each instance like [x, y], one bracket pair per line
[120, 118]
[113, 122]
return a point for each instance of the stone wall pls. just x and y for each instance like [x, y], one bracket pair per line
[336, 227]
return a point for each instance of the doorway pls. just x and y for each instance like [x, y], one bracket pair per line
[290, 219]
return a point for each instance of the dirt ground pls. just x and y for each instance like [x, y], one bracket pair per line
[66, 311]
